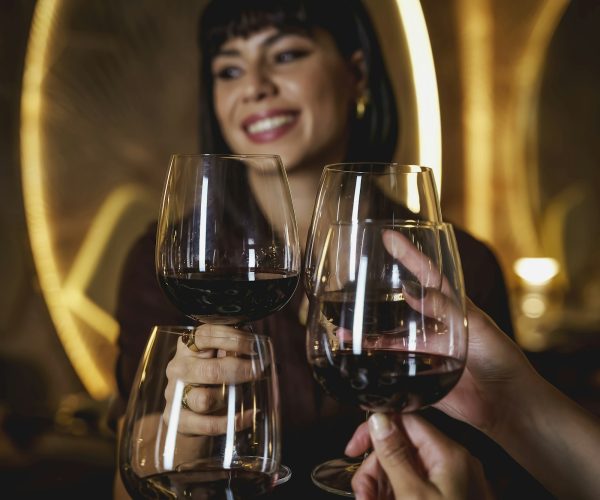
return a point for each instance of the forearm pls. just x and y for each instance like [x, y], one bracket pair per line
[556, 440]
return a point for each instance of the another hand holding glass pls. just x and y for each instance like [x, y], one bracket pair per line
[215, 440]
[224, 257]
[387, 327]
[357, 204]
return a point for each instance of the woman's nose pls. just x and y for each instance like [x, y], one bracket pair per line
[259, 85]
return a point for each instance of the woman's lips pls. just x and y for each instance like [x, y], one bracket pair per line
[269, 126]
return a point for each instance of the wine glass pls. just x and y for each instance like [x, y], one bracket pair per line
[227, 248]
[387, 322]
[366, 191]
[351, 192]
[232, 453]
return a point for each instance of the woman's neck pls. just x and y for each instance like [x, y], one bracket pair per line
[304, 184]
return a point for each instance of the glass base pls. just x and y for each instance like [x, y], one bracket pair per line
[283, 475]
[335, 476]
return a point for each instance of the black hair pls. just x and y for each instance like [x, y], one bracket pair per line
[372, 138]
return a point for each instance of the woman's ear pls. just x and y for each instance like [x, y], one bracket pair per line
[358, 66]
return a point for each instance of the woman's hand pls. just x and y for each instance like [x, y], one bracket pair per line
[497, 373]
[418, 460]
[202, 373]
[501, 394]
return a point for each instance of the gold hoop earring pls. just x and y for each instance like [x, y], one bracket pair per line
[361, 106]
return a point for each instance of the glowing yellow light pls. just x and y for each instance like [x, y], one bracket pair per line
[476, 45]
[425, 86]
[536, 271]
[32, 155]
[533, 306]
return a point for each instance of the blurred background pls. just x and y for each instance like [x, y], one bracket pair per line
[95, 96]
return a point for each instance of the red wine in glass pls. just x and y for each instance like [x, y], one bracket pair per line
[226, 253]
[377, 338]
[229, 296]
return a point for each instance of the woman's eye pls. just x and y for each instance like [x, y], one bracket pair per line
[287, 56]
[228, 73]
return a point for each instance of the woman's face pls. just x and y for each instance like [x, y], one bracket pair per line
[286, 94]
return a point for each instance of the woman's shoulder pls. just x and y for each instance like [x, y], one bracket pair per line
[148, 235]
[143, 247]
[471, 247]
[484, 280]
[479, 261]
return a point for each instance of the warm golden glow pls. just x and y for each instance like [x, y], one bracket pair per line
[476, 46]
[32, 154]
[533, 305]
[500, 87]
[425, 86]
[518, 137]
[536, 271]
[88, 261]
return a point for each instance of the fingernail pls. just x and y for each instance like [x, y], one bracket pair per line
[380, 426]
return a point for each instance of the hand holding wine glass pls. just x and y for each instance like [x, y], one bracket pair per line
[370, 341]
[495, 362]
[359, 192]
[418, 460]
[495, 395]
[208, 358]
[224, 258]
[224, 445]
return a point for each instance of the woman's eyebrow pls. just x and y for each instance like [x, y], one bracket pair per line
[227, 53]
[267, 42]
[275, 37]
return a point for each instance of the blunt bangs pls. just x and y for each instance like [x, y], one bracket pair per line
[226, 19]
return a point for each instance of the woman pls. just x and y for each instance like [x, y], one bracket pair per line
[303, 79]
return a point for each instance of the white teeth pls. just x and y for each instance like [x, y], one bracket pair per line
[269, 123]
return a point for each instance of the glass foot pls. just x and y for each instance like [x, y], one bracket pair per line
[283, 475]
[335, 476]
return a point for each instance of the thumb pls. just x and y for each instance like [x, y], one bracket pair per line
[395, 454]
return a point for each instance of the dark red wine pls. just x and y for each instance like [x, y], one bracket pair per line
[208, 484]
[386, 379]
[229, 296]
[381, 311]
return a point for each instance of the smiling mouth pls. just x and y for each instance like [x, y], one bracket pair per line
[270, 124]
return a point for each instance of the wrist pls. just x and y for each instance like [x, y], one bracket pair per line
[528, 416]
[519, 408]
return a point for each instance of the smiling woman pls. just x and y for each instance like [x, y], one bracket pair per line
[109, 92]
[304, 79]
[289, 89]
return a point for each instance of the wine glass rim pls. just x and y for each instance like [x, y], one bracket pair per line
[225, 155]
[182, 329]
[407, 223]
[363, 167]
